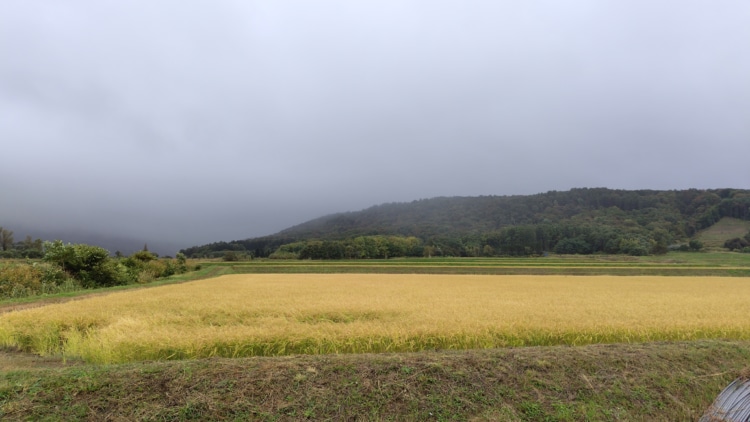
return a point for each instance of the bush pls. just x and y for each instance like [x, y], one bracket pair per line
[636, 246]
[181, 263]
[144, 256]
[51, 274]
[22, 280]
[90, 265]
[283, 255]
[573, 246]
[146, 271]
[736, 244]
[10, 254]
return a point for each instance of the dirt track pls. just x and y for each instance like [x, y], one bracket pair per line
[12, 307]
[13, 360]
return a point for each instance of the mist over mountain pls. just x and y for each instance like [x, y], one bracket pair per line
[598, 219]
[109, 241]
[197, 121]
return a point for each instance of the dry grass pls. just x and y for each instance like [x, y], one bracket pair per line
[725, 229]
[276, 314]
[622, 382]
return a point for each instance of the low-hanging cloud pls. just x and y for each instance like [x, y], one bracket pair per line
[197, 122]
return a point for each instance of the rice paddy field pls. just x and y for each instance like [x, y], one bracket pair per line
[241, 315]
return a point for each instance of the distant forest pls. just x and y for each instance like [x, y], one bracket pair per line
[579, 221]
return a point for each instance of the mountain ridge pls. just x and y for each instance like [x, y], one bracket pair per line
[665, 216]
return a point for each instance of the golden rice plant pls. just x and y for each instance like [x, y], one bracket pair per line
[277, 314]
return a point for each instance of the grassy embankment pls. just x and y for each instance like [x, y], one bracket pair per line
[628, 382]
[673, 264]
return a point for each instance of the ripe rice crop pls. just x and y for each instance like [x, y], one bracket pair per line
[277, 314]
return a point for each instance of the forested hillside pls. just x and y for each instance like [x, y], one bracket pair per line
[585, 220]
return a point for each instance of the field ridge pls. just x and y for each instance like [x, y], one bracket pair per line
[653, 381]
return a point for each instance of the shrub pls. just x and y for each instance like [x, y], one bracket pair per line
[573, 246]
[695, 245]
[90, 265]
[143, 256]
[736, 244]
[181, 262]
[50, 274]
[10, 254]
[279, 254]
[635, 246]
[21, 280]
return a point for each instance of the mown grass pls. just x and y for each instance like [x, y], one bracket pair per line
[280, 314]
[654, 382]
[725, 229]
[331, 268]
[672, 259]
[674, 263]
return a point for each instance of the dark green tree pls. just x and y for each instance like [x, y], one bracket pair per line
[90, 265]
[6, 239]
[573, 246]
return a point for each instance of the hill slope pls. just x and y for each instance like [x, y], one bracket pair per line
[458, 224]
[726, 228]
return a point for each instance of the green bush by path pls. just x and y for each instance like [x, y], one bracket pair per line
[23, 280]
[71, 267]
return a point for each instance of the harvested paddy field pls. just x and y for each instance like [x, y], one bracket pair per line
[244, 315]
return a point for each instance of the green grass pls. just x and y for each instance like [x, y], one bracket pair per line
[655, 382]
[727, 228]
[674, 263]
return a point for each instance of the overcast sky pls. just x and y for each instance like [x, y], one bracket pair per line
[199, 121]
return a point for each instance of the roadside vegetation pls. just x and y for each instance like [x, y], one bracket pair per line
[67, 268]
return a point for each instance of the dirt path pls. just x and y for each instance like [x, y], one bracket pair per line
[11, 359]
[12, 307]
[14, 360]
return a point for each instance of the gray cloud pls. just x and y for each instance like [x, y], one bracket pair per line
[200, 121]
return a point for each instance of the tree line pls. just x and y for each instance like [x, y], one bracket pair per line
[527, 240]
[27, 248]
[595, 220]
